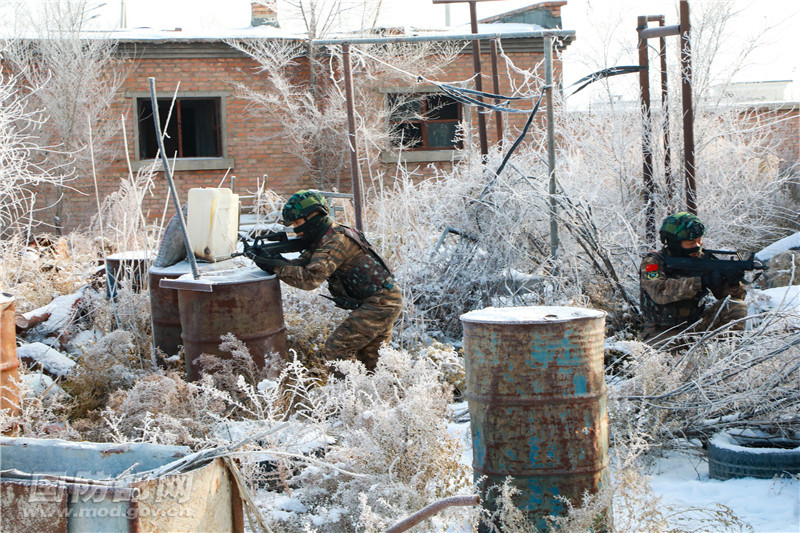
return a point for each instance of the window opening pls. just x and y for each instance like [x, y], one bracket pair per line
[193, 130]
[426, 121]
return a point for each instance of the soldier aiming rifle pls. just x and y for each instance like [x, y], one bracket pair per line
[674, 281]
[358, 278]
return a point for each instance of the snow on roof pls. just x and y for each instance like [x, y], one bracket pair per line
[529, 315]
[200, 34]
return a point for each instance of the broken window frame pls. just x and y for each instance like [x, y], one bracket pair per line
[397, 100]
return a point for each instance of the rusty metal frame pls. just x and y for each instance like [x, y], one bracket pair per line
[683, 30]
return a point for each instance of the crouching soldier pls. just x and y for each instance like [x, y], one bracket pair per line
[357, 276]
[671, 300]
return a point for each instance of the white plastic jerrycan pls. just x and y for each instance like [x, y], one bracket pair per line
[212, 222]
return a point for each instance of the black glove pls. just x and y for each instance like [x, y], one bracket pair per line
[713, 280]
[267, 263]
[734, 275]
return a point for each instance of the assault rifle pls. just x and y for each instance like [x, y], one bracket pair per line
[732, 269]
[277, 242]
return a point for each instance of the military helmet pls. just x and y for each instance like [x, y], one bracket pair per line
[681, 226]
[303, 203]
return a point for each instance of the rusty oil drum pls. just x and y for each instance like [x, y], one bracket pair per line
[9, 362]
[164, 314]
[537, 401]
[247, 304]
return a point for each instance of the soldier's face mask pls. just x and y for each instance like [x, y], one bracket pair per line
[691, 247]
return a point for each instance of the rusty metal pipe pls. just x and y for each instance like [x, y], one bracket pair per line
[498, 115]
[432, 509]
[476, 65]
[355, 170]
[647, 149]
[688, 109]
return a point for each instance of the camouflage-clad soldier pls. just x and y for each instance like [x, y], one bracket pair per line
[671, 300]
[357, 276]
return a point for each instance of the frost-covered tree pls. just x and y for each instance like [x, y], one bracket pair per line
[21, 175]
[72, 76]
[310, 107]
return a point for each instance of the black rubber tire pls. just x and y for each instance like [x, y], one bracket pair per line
[738, 457]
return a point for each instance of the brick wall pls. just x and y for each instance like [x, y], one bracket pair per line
[253, 157]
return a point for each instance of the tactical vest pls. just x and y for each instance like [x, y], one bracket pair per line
[369, 275]
[670, 314]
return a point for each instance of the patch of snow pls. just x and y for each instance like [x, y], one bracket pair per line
[787, 243]
[133, 255]
[225, 277]
[52, 361]
[785, 299]
[728, 442]
[529, 315]
[768, 505]
[82, 341]
[61, 310]
[183, 267]
[41, 386]
[266, 385]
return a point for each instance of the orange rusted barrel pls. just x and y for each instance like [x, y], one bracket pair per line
[537, 401]
[9, 363]
[245, 302]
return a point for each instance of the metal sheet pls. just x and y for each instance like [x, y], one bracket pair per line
[537, 402]
[58, 486]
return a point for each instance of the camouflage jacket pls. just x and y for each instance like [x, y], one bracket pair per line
[344, 258]
[669, 298]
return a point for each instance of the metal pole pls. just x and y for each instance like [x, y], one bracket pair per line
[355, 174]
[476, 64]
[647, 150]
[662, 43]
[551, 148]
[168, 173]
[498, 116]
[688, 108]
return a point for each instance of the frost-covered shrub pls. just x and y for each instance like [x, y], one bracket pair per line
[309, 319]
[390, 430]
[163, 410]
[110, 365]
[716, 381]
[41, 414]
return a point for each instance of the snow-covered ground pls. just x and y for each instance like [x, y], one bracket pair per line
[681, 481]
[768, 505]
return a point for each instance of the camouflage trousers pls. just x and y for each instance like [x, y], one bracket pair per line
[721, 313]
[366, 328]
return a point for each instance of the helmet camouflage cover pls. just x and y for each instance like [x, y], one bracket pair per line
[303, 203]
[681, 227]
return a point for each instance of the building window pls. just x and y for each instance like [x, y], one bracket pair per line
[193, 131]
[424, 121]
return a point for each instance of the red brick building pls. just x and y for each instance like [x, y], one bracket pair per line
[213, 130]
